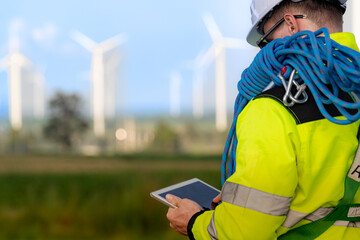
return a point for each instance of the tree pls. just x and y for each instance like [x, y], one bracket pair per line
[65, 123]
[166, 138]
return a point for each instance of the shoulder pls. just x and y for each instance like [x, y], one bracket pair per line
[266, 107]
[264, 116]
[306, 112]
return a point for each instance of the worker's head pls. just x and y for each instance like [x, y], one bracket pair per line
[274, 19]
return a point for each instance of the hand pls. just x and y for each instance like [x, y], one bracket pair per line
[179, 217]
[215, 201]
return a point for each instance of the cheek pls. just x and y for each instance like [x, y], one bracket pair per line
[281, 32]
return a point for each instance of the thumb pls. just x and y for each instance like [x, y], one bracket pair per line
[217, 199]
[173, 199]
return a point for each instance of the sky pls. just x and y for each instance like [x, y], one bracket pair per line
[163, 37]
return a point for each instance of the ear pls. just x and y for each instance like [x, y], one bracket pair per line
[291, 24]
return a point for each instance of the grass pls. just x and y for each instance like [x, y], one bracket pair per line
[92, 205]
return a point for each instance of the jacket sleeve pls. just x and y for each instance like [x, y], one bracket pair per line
[256, 198]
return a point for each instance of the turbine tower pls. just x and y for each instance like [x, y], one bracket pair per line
[198, 65]
[98, 73]
[217, 51]
[198, 94]
[15, 63]
[175, 84]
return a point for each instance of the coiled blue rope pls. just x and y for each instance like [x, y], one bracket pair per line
[319, 61]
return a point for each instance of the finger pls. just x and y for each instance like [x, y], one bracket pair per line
[217, 199]
[172, 226]
[173, 199]
[169, 214]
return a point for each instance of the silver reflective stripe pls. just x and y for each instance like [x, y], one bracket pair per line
[347, 224]
[254, 199]
[318, 213]
[211, 228]
[354, 212]
[294, 217]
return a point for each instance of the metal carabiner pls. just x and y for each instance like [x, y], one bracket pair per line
[288, 94]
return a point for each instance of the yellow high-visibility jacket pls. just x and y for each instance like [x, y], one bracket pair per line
[290, 170]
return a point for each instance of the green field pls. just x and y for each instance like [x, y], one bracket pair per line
[66, 198]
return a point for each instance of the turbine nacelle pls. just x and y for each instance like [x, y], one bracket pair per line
[16, 59]
[98, 48]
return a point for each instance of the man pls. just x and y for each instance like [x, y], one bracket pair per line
[291, 162]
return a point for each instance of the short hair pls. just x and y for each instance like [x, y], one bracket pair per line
[322, 13]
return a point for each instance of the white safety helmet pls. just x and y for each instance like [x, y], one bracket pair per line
[261, 8]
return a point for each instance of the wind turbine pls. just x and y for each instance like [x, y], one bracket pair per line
[217, 51]
[15, 63]
[98, 51]
[198, 65]
[175, 84]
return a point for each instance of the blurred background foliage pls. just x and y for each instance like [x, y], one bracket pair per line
[75, 201]
[60, 182]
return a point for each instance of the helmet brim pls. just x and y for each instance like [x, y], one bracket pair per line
[253, 35]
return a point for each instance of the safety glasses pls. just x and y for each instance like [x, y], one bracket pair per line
[262, 41]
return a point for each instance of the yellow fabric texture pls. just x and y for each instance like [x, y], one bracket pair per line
[307, 162]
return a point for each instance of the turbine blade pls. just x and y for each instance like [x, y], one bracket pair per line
[235, 43]
[208, 57]
[199, 58]
[83, 40]
[211, 26]
[113, 42]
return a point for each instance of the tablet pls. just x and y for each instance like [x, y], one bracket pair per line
[193, 189]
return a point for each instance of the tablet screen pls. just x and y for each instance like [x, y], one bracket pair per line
[195, 190]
